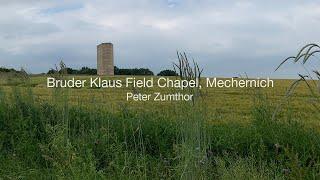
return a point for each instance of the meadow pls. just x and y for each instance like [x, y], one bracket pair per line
[89, 133]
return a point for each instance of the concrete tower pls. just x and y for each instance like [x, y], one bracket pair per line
[105, 59]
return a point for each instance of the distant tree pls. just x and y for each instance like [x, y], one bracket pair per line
[2, 69]
[70, 71]
[135, 71]
[6, 70]
[116, 70]
[88, 71]
[167, 72]
[51, 71]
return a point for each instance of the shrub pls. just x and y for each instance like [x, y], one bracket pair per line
[6, 70]
[135, 71]
[167, 72]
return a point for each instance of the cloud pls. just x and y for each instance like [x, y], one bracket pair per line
[226, 37]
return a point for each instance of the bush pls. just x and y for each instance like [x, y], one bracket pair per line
[5, 70]
[86, 70]
[167, 72]
[135, 71]
[82, 71]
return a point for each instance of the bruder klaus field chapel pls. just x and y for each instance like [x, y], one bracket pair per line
[105, 65]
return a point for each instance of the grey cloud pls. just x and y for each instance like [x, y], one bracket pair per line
[24, 28]
[226, 37]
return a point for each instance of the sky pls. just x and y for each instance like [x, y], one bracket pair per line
[226, 38]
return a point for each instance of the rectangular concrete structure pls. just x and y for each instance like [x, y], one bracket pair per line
[105, 66]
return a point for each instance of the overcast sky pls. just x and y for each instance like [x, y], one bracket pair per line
[226, 37]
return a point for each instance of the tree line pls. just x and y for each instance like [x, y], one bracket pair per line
[6, 70]
[117, 71]
[92, 71]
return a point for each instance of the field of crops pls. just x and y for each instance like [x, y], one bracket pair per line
[223, 104]
[93, 133]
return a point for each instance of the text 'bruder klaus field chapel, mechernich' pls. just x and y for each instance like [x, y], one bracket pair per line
[105, 67]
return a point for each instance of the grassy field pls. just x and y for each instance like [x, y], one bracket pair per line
[97, 134]
[224, 104]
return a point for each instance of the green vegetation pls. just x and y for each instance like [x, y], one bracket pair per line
[57, 139]
[11, 71]
[225, 133]
[83, 71]
[63, 69]
[6, 70]
[135, 71]
[167, 72]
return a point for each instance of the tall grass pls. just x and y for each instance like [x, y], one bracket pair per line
[310, 78]
[59, 140]
[187, 70]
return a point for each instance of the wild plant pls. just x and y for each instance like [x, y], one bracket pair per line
[188, 71]
[59, 71]
[193, 137]
[310, 79]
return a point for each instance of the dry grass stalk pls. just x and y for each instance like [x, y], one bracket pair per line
[305, 53]
[188, 71]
